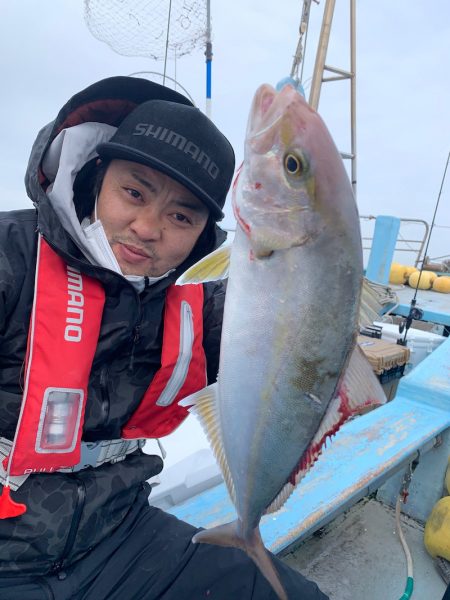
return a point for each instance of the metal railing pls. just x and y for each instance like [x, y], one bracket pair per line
[413, 244]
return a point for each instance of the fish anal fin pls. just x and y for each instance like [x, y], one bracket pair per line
[359, 390]
[204, 405]
[213, 267]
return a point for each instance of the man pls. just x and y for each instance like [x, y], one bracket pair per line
[97, 346]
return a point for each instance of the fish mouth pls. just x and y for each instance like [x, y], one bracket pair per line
[265, 129]
[256, 251]
[269, 109]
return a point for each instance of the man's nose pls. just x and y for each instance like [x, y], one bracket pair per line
[147, 224]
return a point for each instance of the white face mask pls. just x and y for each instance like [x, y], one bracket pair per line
[99, 247]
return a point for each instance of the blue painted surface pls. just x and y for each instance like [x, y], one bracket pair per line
[426, 485]
[383, 247]
[429, 382]
[208, 78]
[428, 315]
[361, 456]
[435, 305]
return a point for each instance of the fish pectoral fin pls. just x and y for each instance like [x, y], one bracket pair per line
[213, 267]
[232, 534]
[205, 406]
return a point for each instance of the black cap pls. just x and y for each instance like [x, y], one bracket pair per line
[180, 141]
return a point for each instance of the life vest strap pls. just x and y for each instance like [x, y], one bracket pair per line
[96, 454]
[93, 454]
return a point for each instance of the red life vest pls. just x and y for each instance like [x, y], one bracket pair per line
[63, 334]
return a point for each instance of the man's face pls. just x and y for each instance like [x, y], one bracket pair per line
[151, 221]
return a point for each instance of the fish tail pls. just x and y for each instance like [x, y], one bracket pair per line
[232, 534]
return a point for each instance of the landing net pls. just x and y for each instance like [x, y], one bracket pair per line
[150, 28]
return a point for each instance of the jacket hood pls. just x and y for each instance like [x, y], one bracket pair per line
[68, 143]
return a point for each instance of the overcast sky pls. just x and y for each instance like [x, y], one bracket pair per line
[403, 87]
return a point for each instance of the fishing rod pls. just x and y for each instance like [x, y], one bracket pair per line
[416, 313]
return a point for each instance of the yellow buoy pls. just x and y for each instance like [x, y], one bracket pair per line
[397, 274]
[437, 529]
[442, 284]
[425, 282]
[410, 270]
[447, 478]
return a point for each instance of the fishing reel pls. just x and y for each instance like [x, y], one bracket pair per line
[415, 314]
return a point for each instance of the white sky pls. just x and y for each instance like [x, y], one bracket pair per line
[403, 87]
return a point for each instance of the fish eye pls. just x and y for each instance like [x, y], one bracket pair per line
[293, 164]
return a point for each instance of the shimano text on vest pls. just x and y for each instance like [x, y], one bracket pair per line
[75, 303]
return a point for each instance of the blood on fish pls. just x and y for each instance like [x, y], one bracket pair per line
[236, 178]
[313, 452]
[239, 219]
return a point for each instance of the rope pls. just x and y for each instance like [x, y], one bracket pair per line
[167, 41]
[409, 563]
[300, 50]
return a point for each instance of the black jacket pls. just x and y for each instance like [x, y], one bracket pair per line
[68, 514]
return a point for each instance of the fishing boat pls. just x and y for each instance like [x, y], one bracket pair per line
[339, 527]
[355, 524]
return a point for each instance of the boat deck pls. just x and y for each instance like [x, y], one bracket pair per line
[360, 547]
[333, 529]
[358, 556]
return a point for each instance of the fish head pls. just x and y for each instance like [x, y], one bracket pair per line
[292, 184]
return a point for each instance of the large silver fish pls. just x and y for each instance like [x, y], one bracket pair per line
[290, 371]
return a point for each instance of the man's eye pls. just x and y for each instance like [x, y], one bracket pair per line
[181, 218]
[134, 193]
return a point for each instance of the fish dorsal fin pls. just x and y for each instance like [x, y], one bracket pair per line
[212, 267]
[358, 392]
[204, 404]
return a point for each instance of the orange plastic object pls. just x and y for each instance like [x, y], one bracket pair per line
[9, 508]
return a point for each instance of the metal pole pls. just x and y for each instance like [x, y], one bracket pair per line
[353, 90]
[209, 54]
[321, 54]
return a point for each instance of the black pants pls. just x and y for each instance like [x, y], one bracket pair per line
[150, 557]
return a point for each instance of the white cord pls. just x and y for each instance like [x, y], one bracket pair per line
[402, 539]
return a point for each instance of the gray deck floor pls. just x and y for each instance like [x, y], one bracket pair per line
[359, 557]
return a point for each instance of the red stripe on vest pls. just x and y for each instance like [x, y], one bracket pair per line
[62, 339]
[151, 420]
